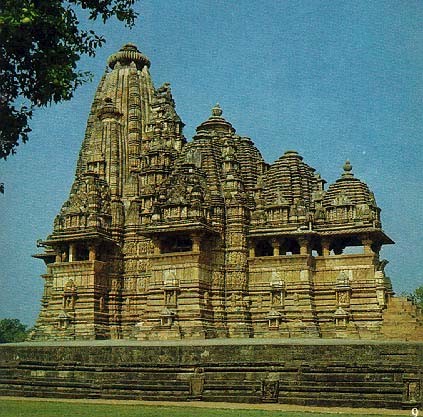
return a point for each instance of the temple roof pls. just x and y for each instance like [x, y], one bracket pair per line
[348, 190]
[135, 145]
[289, 181]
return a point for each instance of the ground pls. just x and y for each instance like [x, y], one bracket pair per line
[22, 407]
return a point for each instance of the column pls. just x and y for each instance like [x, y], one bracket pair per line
[72, 252]
[251, 249]
[325, 247]
[304, 246]
[92, 253]
[367, 244]
[276, 247]
[196, 242]
[156, 242]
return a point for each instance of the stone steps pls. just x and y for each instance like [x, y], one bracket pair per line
[402, 320]
[340, 373]
[330, 401]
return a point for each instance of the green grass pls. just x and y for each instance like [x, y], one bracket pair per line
[16, 408]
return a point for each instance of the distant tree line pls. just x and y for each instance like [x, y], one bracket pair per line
[417, 296]
[12, 330]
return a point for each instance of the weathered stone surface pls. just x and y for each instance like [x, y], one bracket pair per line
[164, 239]
[309, 372]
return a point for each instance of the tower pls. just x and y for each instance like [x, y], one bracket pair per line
[132, 132]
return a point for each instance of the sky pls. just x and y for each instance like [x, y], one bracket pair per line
[334, 80]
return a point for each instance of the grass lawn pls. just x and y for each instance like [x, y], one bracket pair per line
[16, 408]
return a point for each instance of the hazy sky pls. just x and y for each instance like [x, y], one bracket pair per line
[334, 80]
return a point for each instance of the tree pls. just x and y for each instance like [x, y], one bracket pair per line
[41, 42]
[417, 296]
[12, 330]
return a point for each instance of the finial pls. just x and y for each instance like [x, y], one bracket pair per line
[126, 55]
[292, 154]
[129, 47]
[347, 170]
[347, 166]
[216, 111]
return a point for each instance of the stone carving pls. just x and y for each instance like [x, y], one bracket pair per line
[280, 199]
[413, 390]
[69, 295]
[169, 278]
[63, 321]
[193, 157]
[341, 200]
[270, 391]
[381, 266]
[343, 278]
[341, 317]
[130, 248]
[196, 383]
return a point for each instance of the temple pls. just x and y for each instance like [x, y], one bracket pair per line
[161, 238]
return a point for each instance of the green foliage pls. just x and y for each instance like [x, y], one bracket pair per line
[417, 296]
[40, 44]
[12, 330]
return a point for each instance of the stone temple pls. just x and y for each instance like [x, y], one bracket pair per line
[161, 238]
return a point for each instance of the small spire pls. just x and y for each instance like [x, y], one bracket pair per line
[216, 111]
[108, 110]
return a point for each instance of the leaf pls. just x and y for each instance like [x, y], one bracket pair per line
[40, 46]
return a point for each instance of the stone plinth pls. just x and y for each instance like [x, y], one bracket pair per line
[307, 372]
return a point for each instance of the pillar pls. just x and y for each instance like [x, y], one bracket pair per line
[325, 247]
[304, 246]
[72, 252]
[276, 247]
[156, 243]
[196, 242]
[367, 244]
[251, 250]
[92, 253]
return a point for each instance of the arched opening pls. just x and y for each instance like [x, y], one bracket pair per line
[172, 244]
[290, 247]
[264, 248]
[347, 246]
[81, 253]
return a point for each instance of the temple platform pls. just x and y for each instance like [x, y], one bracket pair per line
[319, 372]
